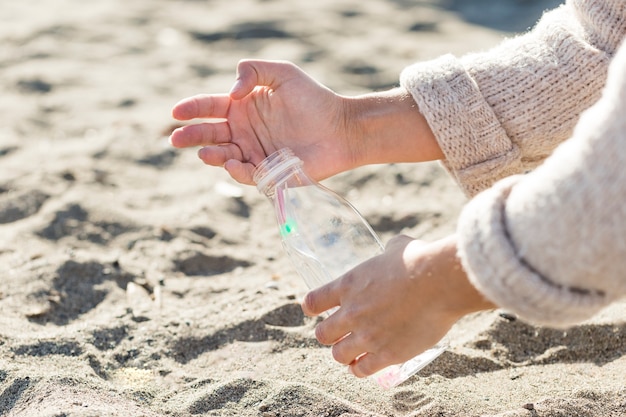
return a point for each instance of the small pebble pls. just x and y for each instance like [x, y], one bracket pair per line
[508, 316]
[271, 285]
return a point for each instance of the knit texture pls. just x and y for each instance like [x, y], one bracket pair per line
[504, 111]
[551, 245]
[530, 130]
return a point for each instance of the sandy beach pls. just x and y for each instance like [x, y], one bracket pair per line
[136, 281]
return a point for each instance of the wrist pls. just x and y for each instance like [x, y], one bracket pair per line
[387, 127]
[459, 296]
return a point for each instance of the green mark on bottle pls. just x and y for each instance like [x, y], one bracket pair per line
[288, 227]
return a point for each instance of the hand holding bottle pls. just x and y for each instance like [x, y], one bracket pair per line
[272, 105]
[275, 104]
[395, 305]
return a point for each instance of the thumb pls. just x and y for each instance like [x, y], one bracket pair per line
[400, 241]
[253, 73]
[249, 75]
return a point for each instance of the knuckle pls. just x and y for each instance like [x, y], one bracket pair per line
[321, 336]
[207, 136]
[367, 368]
[338, 355]
[351, 316]
[359, 369]
[347, 281]
[368, 340]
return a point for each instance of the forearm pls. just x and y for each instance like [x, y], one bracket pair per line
[388, 127]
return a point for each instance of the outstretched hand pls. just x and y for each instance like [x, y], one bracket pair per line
[272, 105]
[394, 306]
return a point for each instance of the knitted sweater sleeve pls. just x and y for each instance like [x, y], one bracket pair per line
[504, 111]
[551, 245]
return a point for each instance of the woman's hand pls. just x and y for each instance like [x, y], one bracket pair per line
[395, 305]
[275, 104]
[272, 105]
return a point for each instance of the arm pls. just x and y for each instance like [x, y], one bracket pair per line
[551, 245]
[503, 112]
[275, 104]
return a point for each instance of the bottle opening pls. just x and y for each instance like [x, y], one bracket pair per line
[271, 169]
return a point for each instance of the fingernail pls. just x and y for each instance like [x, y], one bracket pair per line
[236, 86]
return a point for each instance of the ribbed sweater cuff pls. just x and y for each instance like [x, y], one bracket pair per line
[495, 268]
[474, 143]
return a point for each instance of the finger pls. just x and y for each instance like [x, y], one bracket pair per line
[241, 172]
[203, 134]
[218, 155]
[321, 299]
[249, 74]
[333, 330]
[202, 106]
[252, 73]
[346, 350]
[368, 364]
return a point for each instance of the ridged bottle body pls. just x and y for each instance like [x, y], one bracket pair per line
[324, 235]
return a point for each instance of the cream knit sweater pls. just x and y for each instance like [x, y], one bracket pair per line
[549, 245]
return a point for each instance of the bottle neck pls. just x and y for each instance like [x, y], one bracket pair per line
[277, 169]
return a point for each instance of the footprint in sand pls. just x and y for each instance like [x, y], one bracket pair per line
[303, 400]
[19, 205]
[251, 397]
[243, 392]
[13, 392]
[518, 343]
[457, 365]
[270, 326]
[109, 338]
[76, 221]
[196, 263]
[78, 288]
[410, 401]
[49, 347]
[288, 315]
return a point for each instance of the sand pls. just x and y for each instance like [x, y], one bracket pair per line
[137, 281]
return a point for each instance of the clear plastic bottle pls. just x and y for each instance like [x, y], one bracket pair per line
[325, 236]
